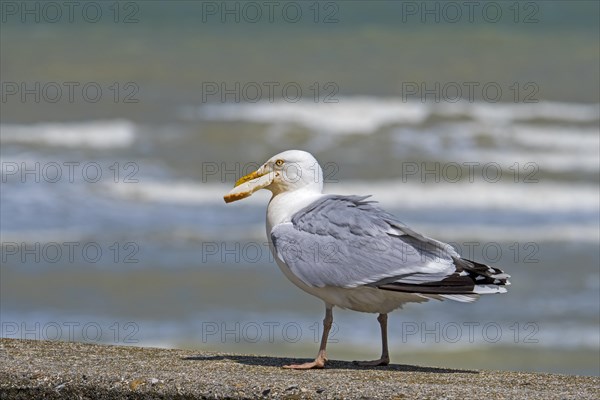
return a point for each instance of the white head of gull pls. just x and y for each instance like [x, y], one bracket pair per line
[352, 254]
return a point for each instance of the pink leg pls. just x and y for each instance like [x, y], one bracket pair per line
[321, 356]
[385, 357]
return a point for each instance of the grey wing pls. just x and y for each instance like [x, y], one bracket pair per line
[345, 241]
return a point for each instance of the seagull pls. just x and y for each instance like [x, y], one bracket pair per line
[352, 254]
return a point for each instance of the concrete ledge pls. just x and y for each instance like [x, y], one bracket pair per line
[43, 369]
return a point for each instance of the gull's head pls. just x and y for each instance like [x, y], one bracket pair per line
[284, 172]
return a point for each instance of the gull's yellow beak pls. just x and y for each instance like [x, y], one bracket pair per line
[246, 178]
[249, 184]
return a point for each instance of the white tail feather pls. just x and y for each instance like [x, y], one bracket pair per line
[463, 298]
[488, 289]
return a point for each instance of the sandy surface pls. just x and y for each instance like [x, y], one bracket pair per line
[36, 369]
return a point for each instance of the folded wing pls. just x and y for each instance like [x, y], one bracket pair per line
[346, 241]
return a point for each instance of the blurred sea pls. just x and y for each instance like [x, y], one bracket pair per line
[113, 226]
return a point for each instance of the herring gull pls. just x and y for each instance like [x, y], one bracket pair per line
[350, 253]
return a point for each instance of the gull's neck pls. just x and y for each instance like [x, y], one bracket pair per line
[284, 205]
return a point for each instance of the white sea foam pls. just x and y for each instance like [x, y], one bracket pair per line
[366, 115]
[508, 112]
[453, 134]
[553, 160]
[350, 115]
[550, 148]
[181, 192]
[536, 197]
[553, 137]
[94, 134]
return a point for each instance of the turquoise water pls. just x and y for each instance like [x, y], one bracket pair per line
[146, 253]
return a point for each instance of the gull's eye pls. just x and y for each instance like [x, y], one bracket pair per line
[279, 163]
